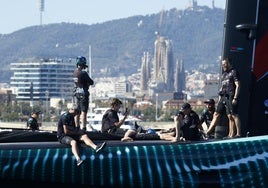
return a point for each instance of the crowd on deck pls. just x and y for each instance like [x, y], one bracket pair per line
[217, 121]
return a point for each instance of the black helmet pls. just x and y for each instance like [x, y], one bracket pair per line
[81, 61]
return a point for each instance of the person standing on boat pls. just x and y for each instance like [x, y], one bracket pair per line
[32, 122]
[69, 134]
[82, 82]
[111, 123]
[228, 96]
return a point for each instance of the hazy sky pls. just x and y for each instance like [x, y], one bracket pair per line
[18, 14]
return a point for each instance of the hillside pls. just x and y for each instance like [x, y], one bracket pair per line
[118, 45]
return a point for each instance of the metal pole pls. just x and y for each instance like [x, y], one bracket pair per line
[89, 60]
[47, 95]
[156, 106]
[89, 72]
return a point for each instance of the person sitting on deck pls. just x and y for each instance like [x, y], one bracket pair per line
[186, 123]
[69, 134]
[111, 123]
[206, 117]
[32, 122]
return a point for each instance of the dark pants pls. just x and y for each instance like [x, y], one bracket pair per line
[226, 102]
[82, 103]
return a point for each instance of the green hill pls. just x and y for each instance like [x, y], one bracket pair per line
[118, 45]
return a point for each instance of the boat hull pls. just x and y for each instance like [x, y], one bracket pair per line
[237, 163]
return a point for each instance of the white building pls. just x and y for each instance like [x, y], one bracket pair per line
[35, 81]
[211, 88]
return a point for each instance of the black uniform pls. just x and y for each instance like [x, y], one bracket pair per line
[108, 120]
[190, 126]
[32, 124]
[68, 120]
[206, 116]
[82, 82]
[227, 92]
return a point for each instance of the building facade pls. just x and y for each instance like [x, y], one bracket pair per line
[35, 81]
[163, 65]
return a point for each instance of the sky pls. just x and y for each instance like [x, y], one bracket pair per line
[19, 14]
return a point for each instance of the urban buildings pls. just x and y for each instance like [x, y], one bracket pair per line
[42, 80]
[162, 78]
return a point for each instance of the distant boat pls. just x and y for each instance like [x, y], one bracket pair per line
[94, 120]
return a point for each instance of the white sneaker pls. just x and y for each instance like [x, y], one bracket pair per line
[79, 162]
[100, 147]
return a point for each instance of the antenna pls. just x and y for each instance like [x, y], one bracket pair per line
[89, 60]
[41, 9]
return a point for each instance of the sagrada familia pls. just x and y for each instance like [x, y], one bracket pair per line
[158, 74]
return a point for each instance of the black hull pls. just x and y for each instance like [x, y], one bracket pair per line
[142, 163]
